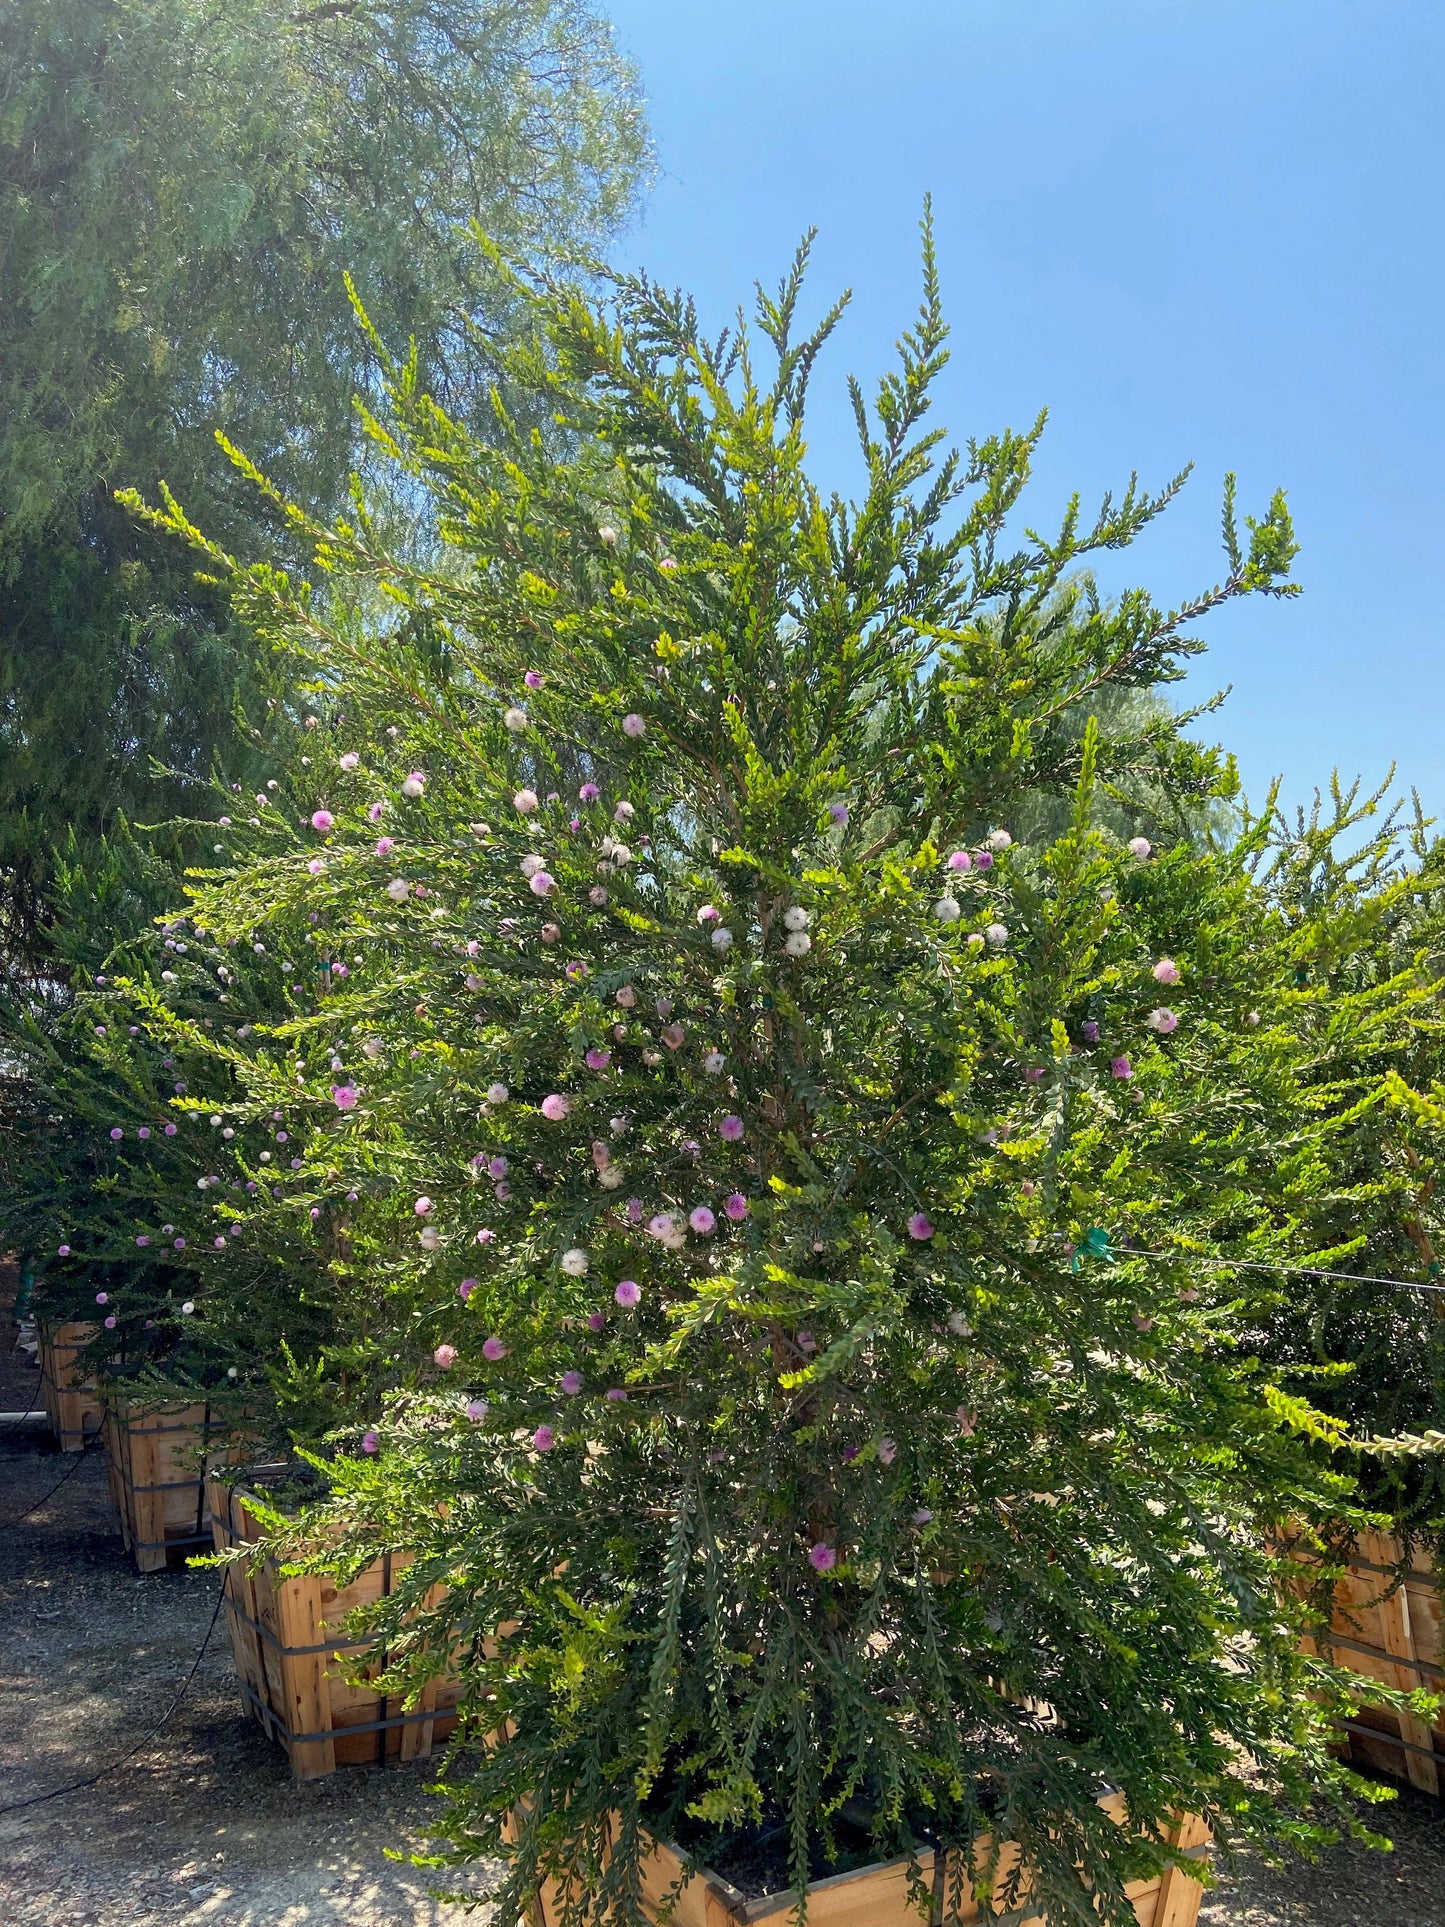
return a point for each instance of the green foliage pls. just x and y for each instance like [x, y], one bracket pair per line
[107, 1180]
[784, 1191]
[1359, 889]
[184, 186]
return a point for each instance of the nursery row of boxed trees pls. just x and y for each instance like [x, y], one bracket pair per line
[740, 1105]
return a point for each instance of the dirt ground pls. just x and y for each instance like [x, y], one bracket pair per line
[205, 1824]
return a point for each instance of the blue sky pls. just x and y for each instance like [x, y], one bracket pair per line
[1197, 230]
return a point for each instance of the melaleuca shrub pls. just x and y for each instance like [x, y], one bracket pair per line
[789, 1190]
[1358, 909]
[119, 1179]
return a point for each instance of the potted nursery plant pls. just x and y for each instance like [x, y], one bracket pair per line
[805, 1209]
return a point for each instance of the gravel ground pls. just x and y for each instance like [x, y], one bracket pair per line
[205, 1825]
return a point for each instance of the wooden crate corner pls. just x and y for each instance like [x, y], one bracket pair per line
[72, 1402]
[292, 1652]
[157, 1455]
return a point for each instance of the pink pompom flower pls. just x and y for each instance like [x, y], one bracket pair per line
[542, 884]
[493, 1349]
[376, 811]
[350, 760]
[422, 1207]
[1163, 1021]
[730, 1128]
[555, 1108]
[322, 819]
[628, 1294]
[822, 1557]
[344, 1096]
[598, 1060]
[596, 1320]
[588, 793]
[385, 845]
[1166, 971]
[702, 1220]
[960, 860]
[466, 1288]
[62, 1251]
[617, 1395]
[571, 1383]
[1121, 1068]
[543, 1439]
[633, 725]
[920, 1226]
[736, 1206]
[476, 1410]
[524, 802]
[445, 1356]
[532, 679]
[371, 1441]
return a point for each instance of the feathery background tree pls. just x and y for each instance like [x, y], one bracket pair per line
[183, 186]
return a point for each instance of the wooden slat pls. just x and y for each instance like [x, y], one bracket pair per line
[1180, 1894]
[308, 1689]
[1402, 1623]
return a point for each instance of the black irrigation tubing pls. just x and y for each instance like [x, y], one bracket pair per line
[76, 1462]
[77, 1786]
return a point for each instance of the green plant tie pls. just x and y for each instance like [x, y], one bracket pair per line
[1094, 1244]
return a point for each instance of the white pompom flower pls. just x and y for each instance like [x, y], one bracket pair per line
[797, 918]
[947, 910]
[798, 943]
[574, 1262]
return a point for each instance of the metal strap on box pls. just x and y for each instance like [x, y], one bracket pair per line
[278, 1728]
[1395, 1659]
[296, 1652]
[1391, 1739]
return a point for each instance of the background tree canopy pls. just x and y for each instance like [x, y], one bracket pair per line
[183, 186]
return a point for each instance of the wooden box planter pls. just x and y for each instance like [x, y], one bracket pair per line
[293, 1651]
[157, 1454]
[877, 1896]
[1391, 1632]
[72, 1403]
